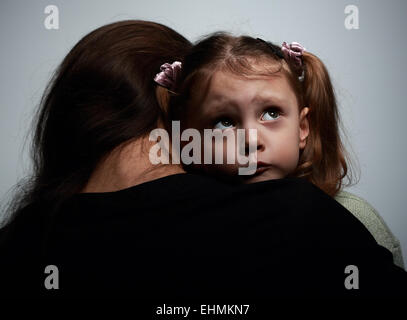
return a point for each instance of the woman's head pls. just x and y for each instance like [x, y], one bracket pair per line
[234, 83]
[102, 96]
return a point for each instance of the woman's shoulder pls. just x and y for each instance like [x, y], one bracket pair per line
[372, 220]
[24, 228]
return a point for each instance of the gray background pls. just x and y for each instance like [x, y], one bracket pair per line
[367, 66]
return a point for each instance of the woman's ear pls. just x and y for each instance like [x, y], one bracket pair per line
[304, 127]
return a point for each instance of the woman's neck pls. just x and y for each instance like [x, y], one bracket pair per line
[127, 166]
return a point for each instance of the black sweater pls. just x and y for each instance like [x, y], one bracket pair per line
[188, 236]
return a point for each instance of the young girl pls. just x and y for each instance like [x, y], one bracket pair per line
[240, 82]
[286, 94]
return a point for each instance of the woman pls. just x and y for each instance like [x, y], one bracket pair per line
[109, 223]
[94, 121]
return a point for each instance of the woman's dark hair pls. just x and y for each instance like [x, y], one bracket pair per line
[100, 97]
[324, 161]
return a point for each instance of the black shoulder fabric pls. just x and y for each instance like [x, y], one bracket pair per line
[21, 244]
[192, 237]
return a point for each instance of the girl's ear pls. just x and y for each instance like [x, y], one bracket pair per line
[304, 127]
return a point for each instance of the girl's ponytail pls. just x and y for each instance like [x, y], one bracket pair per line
[322, 161]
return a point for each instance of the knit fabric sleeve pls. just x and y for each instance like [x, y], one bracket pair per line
[366, 214]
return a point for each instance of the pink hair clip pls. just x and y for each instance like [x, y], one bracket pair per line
[168, 75]
[293, 52]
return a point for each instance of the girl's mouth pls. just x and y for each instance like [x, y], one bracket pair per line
[261, 169]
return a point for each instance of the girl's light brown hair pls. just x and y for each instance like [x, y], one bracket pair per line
[324, 161]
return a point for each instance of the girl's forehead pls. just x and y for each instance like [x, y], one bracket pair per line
[225, 84]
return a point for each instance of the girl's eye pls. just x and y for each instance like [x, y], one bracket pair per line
[223, 124]
[271, 114]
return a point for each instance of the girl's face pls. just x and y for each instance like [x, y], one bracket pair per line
[267, 104]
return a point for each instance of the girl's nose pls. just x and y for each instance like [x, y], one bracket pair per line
[258, 141]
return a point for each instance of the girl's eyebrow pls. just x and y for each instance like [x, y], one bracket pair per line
[219, 105]
[261, 99]
[272, 100]
[225, 104]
